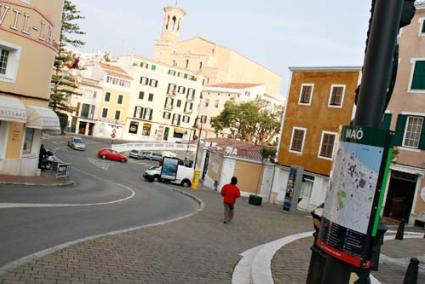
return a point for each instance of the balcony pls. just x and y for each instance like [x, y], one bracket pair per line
[168, 107]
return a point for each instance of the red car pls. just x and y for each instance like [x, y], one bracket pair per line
[111, 155]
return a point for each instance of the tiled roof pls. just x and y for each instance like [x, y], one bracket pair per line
[244, 149]
[234, 85]
[115, 71]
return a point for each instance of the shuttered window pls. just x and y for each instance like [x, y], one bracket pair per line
[418, 80]
[410, 132]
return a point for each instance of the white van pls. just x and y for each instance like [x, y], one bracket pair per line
[183, 176]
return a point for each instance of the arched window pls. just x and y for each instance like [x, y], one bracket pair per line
[187, 63]
[178, 26]
[200, 65]
[174, 23]
[168, 22]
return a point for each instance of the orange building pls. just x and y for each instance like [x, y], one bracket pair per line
[320, 100]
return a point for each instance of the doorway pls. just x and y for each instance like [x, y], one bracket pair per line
[166, 131]
[82, 128]
[401, 193]
[91, 128]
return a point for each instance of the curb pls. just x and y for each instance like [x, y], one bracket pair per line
[38, 184]
[35, 256]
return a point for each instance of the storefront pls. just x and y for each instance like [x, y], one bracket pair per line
[20, 135]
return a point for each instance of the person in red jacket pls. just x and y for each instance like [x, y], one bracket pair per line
[230, 193]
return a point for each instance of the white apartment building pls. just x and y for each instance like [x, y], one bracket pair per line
[214, 97]
[163, 103]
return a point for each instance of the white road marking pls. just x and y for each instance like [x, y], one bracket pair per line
[101, 164]
[50, 205]
[255, 264]
[32, 257]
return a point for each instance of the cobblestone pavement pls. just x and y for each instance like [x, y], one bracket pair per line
[200, 249]
[290, 263]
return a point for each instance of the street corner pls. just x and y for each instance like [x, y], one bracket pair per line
[44, 180]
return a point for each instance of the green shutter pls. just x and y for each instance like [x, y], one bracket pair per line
[423, 27]
[399, 131]
[418, 82]
[422, 141]
[387, 120]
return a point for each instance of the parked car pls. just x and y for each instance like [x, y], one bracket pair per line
[135, 154]
[77, 143]
[169, 154]
[153, 173]
[148, 155]
[111, 155]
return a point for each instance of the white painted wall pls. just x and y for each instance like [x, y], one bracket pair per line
[227, 171]
[266, 184]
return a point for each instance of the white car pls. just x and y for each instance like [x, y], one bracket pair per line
[169, 154]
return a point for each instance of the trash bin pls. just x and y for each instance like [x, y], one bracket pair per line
[255, 200]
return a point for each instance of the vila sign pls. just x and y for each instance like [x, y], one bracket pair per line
[25, 21]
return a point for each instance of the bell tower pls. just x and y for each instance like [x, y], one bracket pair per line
[172, 23]
[165, 46]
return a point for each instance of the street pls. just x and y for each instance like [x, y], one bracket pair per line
[106, 196]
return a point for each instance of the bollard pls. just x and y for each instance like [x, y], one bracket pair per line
[400, 230]
[411, 276]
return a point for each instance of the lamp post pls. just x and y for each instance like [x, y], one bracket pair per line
[199, 140]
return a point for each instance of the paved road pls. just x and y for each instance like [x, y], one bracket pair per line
[107, 196]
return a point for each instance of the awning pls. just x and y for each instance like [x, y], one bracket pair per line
[42, 118]
[180, 130]
[12, 109]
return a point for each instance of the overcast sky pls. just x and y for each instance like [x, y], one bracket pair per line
[274, 33]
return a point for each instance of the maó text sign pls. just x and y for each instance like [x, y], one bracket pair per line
[354, 190]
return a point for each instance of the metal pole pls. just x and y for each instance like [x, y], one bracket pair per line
[378, 62]
[197, 147]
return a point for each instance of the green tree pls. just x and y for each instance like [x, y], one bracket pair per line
[251, 121]
[64, 84]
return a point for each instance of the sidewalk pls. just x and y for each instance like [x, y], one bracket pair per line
[43, 180]
[290, 263]
[199, 249]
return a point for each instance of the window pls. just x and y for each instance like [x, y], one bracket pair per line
[141, 95]
[117, 115]
[171, 89]
[190, 94]
[179, 103]
[181, 90]
[305, 94]
[146, 129]
[29, 137]
[120, 99]
[188, 107]
[166, 115]
[150, 98]
[336, 97]
[144, 81]
[153, 83]
[413, 131]
[94, 94]
[92, 112]
[147, 115]
[422, 28]
[138, 111]
[169, 103]
[153, 67]
[204, 119]
[134, 126]
[217, 103]
[104, 112]
[297, 140]
[176, 119]
[200, 65]
[4, 58]
[85, 110]
[207, 102]
[418, 77]
[327, 145]
[9, 61]
[107, 97]
[187, 63]
[186, 119]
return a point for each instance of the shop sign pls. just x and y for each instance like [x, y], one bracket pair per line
[26, 21]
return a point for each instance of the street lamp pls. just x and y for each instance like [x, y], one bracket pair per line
[199, 138]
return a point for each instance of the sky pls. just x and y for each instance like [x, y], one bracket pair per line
[274, 33]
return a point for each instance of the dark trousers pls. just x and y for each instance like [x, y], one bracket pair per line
[228, 212]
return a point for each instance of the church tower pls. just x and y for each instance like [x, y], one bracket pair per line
[173, 20]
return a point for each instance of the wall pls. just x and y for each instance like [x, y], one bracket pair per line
[249, 175]
[330, 119]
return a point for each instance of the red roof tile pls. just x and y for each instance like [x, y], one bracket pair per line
[115, 71]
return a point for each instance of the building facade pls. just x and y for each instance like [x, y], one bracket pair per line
[405, 195]
[164, 101]
[218, 64]
[214, 98]
[29, 36]
[320, 100]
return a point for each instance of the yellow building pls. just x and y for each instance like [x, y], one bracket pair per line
[217, 63]
[29, 36]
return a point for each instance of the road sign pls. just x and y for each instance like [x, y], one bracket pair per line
[355, 193]
[113, 135]
[114, 131]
